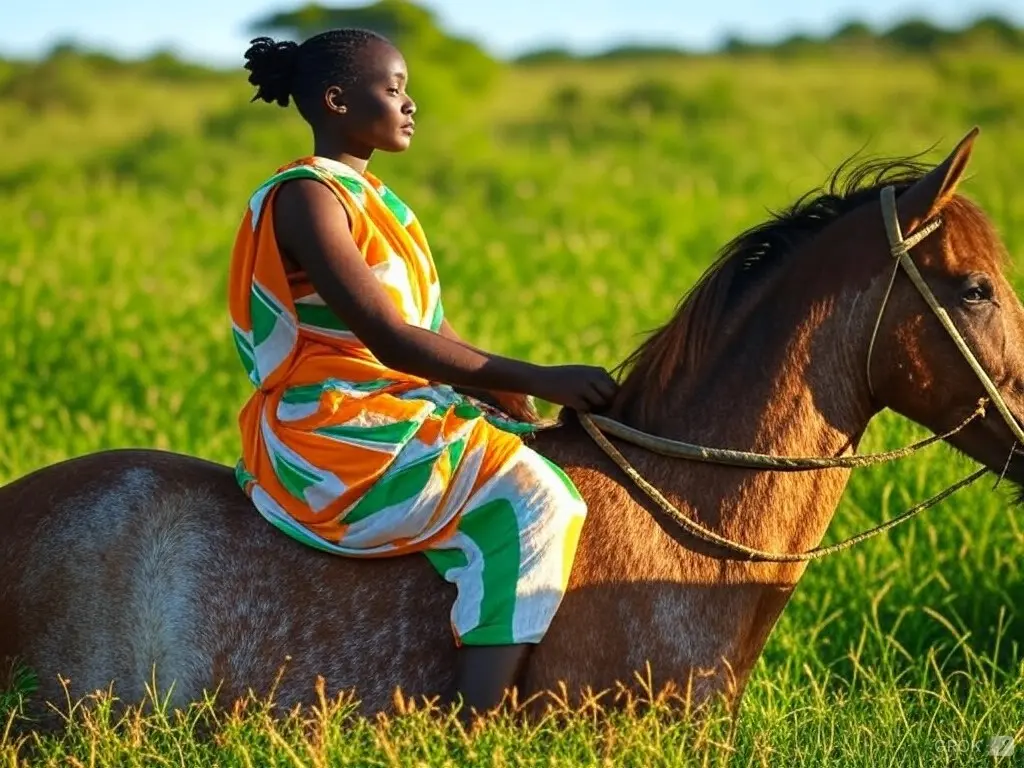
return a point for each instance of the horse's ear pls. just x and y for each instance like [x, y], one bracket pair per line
[927, 196]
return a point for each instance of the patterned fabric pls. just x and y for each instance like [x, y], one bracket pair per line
[351, 457]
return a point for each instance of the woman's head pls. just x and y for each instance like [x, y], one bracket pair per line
[348, 84]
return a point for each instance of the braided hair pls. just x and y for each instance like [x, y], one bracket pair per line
[285, 69]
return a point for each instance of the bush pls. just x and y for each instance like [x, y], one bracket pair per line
[62, 82]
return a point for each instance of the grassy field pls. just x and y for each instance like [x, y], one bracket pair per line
[568, 209]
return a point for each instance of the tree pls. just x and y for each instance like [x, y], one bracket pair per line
[449, 62]
[853, 32]
[399, 20]
[917, 36]
[995, 29]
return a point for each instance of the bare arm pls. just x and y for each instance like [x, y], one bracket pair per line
[313, 231]
[515, 404]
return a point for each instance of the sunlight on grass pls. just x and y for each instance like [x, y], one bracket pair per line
[567, 212]
[882, 715]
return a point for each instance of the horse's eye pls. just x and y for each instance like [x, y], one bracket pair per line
[976, 289]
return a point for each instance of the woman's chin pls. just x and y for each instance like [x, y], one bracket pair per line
[399, 143]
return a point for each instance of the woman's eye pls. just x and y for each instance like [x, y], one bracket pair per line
[393, 90]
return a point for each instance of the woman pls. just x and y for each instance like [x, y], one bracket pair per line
[356, 440]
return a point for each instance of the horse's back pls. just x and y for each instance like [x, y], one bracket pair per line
[134, 566]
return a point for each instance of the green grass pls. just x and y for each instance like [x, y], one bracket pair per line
[568, 212]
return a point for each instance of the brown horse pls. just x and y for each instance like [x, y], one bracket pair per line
[120, 562]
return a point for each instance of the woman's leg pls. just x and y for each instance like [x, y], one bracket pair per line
[510, 558]
[483, 676]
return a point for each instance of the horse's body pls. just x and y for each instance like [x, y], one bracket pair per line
[116, 563]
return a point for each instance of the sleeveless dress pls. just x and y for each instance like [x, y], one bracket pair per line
[351, 457]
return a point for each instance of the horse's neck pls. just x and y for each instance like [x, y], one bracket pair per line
[679, 603]
[802, 395]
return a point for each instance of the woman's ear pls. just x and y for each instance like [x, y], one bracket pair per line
[334, 100]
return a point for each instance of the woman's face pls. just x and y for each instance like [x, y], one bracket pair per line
[376, 112]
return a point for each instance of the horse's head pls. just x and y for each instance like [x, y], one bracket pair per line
[828, 254]
[915, 367]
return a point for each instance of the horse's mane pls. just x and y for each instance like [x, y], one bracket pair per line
[748, 260]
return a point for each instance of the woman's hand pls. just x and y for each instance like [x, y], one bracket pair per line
[518, 406]
[580, 387]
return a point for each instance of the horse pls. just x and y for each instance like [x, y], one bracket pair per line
[129, 568]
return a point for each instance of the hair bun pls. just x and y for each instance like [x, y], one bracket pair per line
[271, 65]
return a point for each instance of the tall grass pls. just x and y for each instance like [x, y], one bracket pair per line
[568, 212]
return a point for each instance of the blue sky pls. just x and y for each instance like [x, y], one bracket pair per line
[214, 31]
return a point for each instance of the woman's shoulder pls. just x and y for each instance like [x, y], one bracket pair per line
[329, 173]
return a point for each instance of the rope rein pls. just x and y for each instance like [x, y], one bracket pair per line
[596, 425]
[677, 449]
[758, 555]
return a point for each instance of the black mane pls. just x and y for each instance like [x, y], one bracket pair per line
[764, 246]
[748, 259]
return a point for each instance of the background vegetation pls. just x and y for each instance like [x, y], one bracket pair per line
[570, 202]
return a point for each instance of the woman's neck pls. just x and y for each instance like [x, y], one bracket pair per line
[333, 149]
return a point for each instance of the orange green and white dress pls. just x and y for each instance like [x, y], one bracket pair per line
[349, 456]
